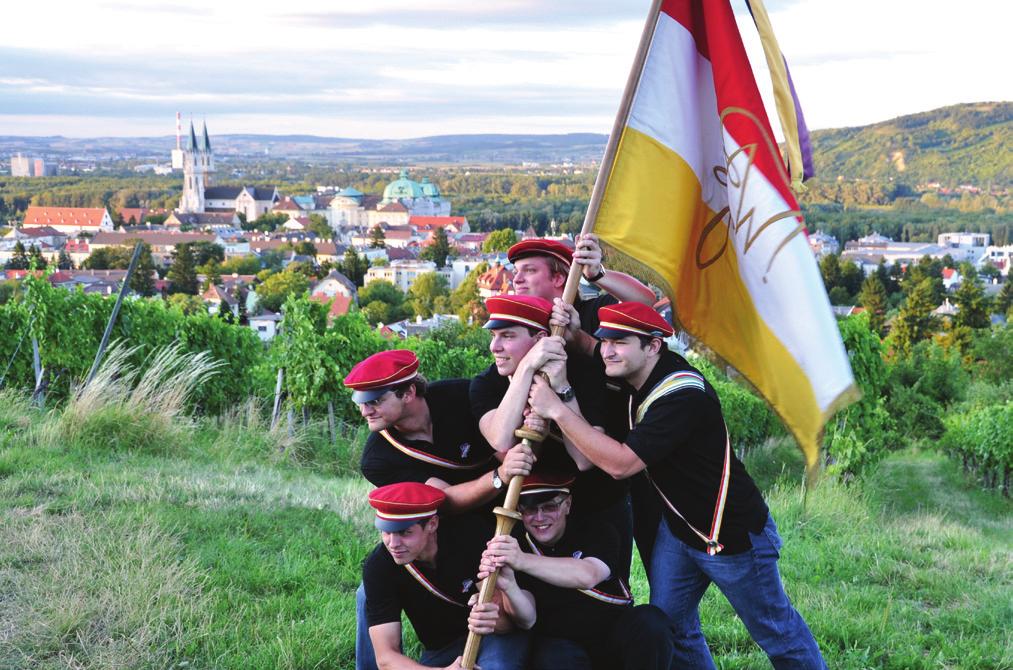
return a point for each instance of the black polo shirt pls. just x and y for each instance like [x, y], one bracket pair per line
[588, 310]
[457, 454]
[586, 617]
[681, 439]
[391, 588]
[593, 490]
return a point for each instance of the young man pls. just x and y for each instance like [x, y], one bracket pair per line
[715, 526]
[521, 348]
[585, 613]
[419, 434]
[426, 569]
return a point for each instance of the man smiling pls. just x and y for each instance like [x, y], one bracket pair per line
[585, 613]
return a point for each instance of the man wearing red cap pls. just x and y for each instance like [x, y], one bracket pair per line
[540, 269]
[715, 526]
[425, 567]
[521, 348]
[585, 613]
[419, 434]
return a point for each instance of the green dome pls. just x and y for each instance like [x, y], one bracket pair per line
[429, 189]
[402, 187]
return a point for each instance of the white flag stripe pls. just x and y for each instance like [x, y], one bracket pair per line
[676, 104]
[790, 297]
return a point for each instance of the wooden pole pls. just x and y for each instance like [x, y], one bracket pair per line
[276, 410]
[112, 317]
[507, 515]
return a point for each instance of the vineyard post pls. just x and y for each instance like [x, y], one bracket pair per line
[330, 422]
[276, 412]
[112, 317]
[39, 394]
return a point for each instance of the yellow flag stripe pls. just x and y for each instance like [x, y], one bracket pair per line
[650, 188]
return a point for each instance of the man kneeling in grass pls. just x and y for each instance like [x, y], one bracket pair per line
[585, 613]
[426, 569]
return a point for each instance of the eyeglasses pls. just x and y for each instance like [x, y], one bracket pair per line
[546, 508]
[375, 402]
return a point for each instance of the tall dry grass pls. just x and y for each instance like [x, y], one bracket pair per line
[144, 407]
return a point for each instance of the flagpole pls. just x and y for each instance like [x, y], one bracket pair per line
[605, 168]
[507, 515]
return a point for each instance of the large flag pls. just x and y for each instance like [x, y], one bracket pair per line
[698, 201]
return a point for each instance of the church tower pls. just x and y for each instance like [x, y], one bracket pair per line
[197, 166]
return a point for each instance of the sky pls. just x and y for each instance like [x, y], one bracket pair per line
[412, 68]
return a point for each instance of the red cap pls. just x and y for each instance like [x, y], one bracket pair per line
[374, 376]
[631, 318]
[518, 310]
[398, 506]
[547, 482]
[539, 247]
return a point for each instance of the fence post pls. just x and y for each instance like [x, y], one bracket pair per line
[330, 422]
[276, 412]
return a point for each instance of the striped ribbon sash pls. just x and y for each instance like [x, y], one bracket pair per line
[429, 586]
[678, 381]
[425, 457]
[626, 598]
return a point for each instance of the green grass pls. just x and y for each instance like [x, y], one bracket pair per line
[236, 548]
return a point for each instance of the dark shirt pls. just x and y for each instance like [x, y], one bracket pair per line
[571, 613]
[593, 490]
[588, 310]
[391, 589]
[681, 439]
[457, 454]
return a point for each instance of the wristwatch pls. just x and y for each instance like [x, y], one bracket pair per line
[497, 483]
[567, 394]
[598, 277]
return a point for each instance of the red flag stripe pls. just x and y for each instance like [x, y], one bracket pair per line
[712, 25]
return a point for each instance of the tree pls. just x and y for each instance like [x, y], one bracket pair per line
[915, 321]
[225, 312]
[973, 305]
[830, 270]
[499, 240]
[212, 272]
[188, 304]
[204, 252]
[1004, 301]
[990, 271]
[438, 249]
[377, 240]
[319, 225]
[382, 302]
[278, 287]
[851, 278]
[182, 274]
[241, 317]
[64, 262]
[35, 259]
[839, 296]
[241, 265]
[353, 266]
[19, 259]
[465, 299]
[873, 299]
[428, 295]
[142, 282]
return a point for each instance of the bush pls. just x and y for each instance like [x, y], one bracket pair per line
[860, 435]
[749, 419]
[981, 439]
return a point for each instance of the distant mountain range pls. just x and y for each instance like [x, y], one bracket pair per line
[958, 144]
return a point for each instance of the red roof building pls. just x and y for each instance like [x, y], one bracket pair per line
[452, 224]
[69, 219]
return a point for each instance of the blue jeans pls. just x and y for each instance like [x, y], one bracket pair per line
[365, 657]
[508, 651]
[557, 653]
[680, 575]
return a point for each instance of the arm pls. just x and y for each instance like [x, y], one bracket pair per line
[556, 372]
[612, 456]
[562, 571]
[386, 640]
[565, 316]
[518, 605]
[469, 495]
[498, 425]
[619, 284]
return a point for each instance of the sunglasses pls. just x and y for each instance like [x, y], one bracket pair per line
[547, 508]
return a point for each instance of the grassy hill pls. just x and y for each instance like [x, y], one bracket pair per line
[220, 544]
[961, 144]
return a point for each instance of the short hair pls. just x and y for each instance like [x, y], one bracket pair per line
[418, 381]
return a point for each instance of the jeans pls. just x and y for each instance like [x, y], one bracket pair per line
[750, 580]
[508, 651]
[365, 657]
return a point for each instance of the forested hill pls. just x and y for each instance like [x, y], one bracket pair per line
[967, 143]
